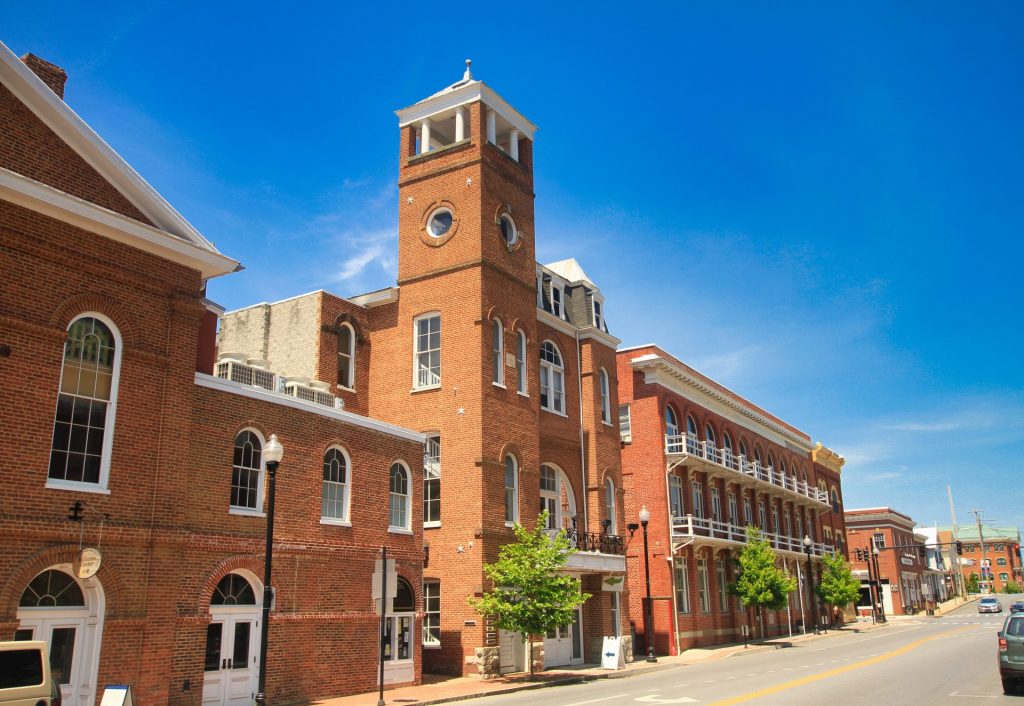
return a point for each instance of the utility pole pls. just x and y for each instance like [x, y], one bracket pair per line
[954, 560]
[984, 552]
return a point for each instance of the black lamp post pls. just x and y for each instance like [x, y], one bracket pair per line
[645, 517]
[272, 454]
[878, 578]
[810, 579]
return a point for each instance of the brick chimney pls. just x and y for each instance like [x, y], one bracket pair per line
[53, 76]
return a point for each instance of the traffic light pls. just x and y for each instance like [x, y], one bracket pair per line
[959, 548]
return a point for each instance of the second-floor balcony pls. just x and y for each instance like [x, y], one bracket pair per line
[703, 531]
[595, 552]
[684, 448]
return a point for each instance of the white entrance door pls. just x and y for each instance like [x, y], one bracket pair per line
[564, 646]
[232, 655]
[399, 659]
[63, 632]
[511, 652]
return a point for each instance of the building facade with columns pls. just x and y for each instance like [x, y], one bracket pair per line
[708, 464]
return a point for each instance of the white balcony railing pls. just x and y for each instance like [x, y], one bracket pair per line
[704, 527]
[685, 444]
[257, 376]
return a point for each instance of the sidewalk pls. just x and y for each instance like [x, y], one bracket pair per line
[437, 689]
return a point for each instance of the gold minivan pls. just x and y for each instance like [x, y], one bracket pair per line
[25, 675]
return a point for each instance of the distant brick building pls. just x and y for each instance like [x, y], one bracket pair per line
[901, 559]
[994, 549]
[113, 415]
[708, 464]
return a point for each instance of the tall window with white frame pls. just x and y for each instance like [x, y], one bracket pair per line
[432, 481]
[346, 356]
[698, 498]
[398, 498]
[702, 586]
[675, 495]
[511, 490]
[549, 495]
[722, 580]
[606, 405]
[498, 352]
[682, 586]
[247, 473]
[84, 423]
[552, 379]
[521, 362]
[625, 424]
[427, 345]
[334, 505]
[432, 613]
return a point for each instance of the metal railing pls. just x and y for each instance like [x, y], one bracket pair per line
[595, 542]
[690, 526]
[243, 374]
[691, 445]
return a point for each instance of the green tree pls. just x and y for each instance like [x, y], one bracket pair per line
[838, 587]
[973, 585]
[531, 594]
[760, 582]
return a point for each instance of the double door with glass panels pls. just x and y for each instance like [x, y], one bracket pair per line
[231, 663]
[63, 636]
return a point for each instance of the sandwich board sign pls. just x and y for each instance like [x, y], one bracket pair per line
[611, 653]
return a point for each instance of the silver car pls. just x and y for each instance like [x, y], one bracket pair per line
[988, 604]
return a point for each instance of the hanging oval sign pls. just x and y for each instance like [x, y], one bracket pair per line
[87, 563]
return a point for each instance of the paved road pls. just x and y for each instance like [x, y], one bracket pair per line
[943, 661]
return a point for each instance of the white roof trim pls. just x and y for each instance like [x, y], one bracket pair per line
[659, 371]
[463, 95]
[388, 295]
[49, 201]
[279, 398]
[55, 113]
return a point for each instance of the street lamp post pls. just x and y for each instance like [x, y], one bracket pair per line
[645, 517]
[878, 577]
[272, 454]
[810, 579]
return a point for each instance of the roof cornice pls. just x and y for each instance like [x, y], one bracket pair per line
[45, 199]
[279, 398]
[828, 458]
[59, 117]
[659, 371]
[471, 92]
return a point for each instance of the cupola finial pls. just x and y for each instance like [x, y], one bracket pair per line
[468, 76]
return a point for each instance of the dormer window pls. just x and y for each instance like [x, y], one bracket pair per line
[597, 315]
[556, 301]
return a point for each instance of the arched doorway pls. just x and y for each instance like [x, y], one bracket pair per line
[399, 650]
[68, 615]
[231, 664]
[562, 645]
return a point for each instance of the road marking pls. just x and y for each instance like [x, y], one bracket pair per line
[833, 672]
[652, 699]
[594, 701]
[974, 696]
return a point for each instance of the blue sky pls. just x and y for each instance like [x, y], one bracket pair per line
[818, 204]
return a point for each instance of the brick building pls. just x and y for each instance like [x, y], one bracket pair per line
[708, 464]
[902, 564]
[504, 364]
[996, 548]
[108, 342]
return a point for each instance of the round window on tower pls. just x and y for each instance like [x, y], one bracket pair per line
[508, 230]
[440, 222]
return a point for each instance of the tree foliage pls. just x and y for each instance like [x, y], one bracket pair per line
[973, 585]
[1011, 587]
[761, 582]
[531, 594]
[838, 586]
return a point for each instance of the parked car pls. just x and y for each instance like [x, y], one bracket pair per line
[25, 678]
[1017, 607]
[990, 604]
[1011, 652]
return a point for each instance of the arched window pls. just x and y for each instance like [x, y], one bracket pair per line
[835, 500]
[247, 473]
[609, 504]
[521, 362]
[743, 450]
[498, 351]
[671, 423]
[405, 599]
[52, 589]
[757, 455]
[782, 465]
[771, 460]
[552, 379]
[511, 490]
[709, 435]
[691, 427]
[606, 405]
[432, 481]
[84, 424]
[334, 504]
[233, 589]
[398, 501]
[346, 356]
[730, 459]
